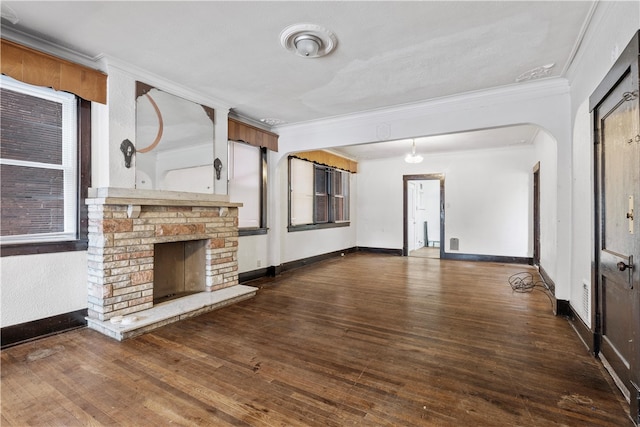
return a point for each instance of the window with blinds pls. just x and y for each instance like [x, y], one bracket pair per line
[319, 195]
[39, 165]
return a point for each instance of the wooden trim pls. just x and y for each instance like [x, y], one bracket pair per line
[43, 248]
[312, 260]
[29, 331]
[84, 167]
[559, 308]
[619, 69]
[41, 69]
[405, 214]
[252, 231]
[547, 279]
[142, 89]
[536, 214]
[274, 271]
[562, 308]
[326, 158]
[588, 337]
[248, 276]
[252, 135]
[487, 258]
[396, 252]
[264, 187]
[318, 226]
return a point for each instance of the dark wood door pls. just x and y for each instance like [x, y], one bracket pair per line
[617, 136]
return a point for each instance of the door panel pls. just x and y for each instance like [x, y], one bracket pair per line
[617, 132]
[411, 220]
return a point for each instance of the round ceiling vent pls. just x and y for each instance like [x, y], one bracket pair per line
[308, 40]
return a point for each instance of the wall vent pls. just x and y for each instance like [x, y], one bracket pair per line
[453, 244]
[586, 307]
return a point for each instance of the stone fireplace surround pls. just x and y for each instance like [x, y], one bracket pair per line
[124, 226]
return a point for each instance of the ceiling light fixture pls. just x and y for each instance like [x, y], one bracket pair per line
[413, 157]
[308, 40]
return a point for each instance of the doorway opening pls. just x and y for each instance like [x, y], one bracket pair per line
[423, 197]
[536, 214]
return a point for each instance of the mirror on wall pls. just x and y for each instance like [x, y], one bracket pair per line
[174, 142]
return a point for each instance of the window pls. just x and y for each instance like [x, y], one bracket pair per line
[40, 169]
[319, 195]
[247, 185]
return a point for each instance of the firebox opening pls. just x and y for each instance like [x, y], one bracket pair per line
[178, 269]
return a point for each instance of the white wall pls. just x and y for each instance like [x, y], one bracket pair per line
[612, 27]
[40, 286]
[280, 246]
[252, 253]
[487, 203]
[543, 103]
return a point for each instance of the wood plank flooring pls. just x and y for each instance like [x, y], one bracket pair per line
[366, 339]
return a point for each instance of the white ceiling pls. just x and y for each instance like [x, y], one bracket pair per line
[388, 53]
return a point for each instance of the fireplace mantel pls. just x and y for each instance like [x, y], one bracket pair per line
[127, 196]
[124, 227]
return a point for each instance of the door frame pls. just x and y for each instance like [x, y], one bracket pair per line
[405, 213]
[536, 214]
[627, 62]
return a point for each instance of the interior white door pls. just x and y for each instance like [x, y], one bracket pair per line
[411, 217]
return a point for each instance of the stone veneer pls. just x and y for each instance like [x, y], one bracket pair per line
[124, 225]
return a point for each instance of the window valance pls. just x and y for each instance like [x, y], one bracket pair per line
[239, 131]
[328, 159]
[40, 69]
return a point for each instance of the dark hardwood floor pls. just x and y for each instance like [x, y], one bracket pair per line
[366, 339]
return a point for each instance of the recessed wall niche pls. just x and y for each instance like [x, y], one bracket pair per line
[174, 142]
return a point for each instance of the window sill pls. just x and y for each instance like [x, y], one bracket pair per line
[252, 231]
[305, 227]
[43, 248]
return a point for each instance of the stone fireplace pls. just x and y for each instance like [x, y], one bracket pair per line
[127, 227]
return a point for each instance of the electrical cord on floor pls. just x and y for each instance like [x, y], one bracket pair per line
[524, 282]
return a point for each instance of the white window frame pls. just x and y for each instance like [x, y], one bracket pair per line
[69, 165]
[252, 220]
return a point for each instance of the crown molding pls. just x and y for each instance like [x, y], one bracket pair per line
[579, 41]
[51, 48]
[249, 120]
[598, 12]
[103, 63]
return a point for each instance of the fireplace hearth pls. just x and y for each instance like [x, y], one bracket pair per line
[129, 231]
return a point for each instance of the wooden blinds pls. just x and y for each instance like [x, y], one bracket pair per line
[328, 159]
[40, 69]
[252, 135]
